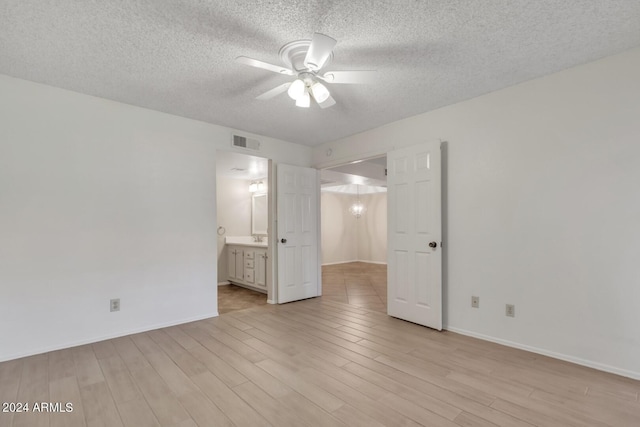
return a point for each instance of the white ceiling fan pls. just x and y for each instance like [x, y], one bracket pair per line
[306, 59]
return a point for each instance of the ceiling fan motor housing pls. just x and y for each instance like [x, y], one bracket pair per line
[292, 55]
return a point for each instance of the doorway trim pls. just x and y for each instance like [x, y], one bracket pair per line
[444, 199]
[270, 211]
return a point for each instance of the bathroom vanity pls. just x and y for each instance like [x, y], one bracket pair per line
[247, 262]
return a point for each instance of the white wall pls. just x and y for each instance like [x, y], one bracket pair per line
[339, 232]
[543, 210]
[234, 214]
[103, 200]
[372, 229]
[346, 238]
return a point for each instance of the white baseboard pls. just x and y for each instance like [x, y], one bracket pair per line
[566, 358]
[340, 262]
[224, 283]
[107, 337]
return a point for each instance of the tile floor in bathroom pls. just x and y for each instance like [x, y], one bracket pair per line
[233, 298]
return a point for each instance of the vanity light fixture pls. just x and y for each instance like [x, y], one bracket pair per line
[257, 186]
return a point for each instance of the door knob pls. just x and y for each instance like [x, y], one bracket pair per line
[283, 240]
[433, 245]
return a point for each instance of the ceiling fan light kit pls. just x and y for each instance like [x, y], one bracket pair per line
[296, 90]
[320, 92]
[304, 101]
[305, 59]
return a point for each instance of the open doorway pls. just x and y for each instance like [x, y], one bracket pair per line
[354, 233]
[242, 186]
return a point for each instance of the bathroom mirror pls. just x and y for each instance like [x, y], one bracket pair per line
[259, 214]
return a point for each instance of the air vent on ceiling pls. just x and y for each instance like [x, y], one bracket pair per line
[246, 143]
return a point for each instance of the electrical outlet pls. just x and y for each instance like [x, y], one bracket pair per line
[114, 304]
[510, 310]
[475, 302]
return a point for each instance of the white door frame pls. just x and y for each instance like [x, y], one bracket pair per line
[271, 193]
[384, 152]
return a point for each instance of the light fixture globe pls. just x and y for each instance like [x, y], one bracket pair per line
[297, 89]
[304, 101]
[320, 92]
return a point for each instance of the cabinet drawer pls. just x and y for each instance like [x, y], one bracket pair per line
[248, 275]
[248, 263]
[249, 254]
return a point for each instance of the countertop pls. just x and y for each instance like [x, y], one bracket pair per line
[246, 241]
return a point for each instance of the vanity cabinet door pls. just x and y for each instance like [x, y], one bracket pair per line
[240, 264]
[260, 270]
[249, 275]
[235, 257]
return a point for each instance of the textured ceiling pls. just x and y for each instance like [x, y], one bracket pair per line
[178, 56]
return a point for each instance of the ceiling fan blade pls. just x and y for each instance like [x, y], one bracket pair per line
[350, 77]
[328, 102]
[319, 51]
[274, 92]
[264, 65]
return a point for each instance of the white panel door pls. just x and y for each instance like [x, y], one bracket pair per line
[297, 228]
[414, 271]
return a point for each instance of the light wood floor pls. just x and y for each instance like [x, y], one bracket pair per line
[311, 363]
[357, 283]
